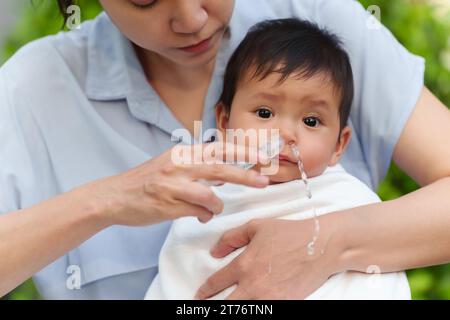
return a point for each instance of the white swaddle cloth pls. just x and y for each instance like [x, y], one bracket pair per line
[185, 262]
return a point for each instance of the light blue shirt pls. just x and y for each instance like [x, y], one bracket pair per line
[76, 107]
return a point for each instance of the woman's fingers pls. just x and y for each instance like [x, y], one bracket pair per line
[228, 152]
[211, 162]
[230, 174]
[222, 279]
[216, 153]
[202, 214]
[185, 209]
[172, 188]
[200, 195]
[234, 239]
[259, 274]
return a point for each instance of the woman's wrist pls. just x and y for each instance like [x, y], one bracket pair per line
[92, 208]
[336, 232]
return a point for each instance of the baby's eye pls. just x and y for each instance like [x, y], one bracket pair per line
[311, 122]
[264, 113]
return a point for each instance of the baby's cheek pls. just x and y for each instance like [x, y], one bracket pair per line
[240, 119]
[316, 159]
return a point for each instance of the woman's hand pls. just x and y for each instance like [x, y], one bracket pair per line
[155, 191]
[275, 264]
[162, 189]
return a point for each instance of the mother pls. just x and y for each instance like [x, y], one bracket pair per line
[82, 112]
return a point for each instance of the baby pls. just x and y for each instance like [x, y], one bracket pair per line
[292, 76]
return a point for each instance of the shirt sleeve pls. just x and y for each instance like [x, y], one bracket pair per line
[388, 79]
[16, 173]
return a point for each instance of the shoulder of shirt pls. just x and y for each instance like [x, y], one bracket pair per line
[35, 53]
[341, 17]
[258, 10]
[42, 63]
[304, 9]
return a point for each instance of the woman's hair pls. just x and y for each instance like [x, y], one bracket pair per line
[63, 5]
[290, 47]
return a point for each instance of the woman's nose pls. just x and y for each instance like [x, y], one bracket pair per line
[189, 16]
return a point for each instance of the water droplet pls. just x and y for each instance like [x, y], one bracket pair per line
[311, 249]
[304, 178]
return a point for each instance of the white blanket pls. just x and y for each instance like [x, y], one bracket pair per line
[185, 262]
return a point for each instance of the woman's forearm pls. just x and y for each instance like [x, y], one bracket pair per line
[32, 238]
[405, 233]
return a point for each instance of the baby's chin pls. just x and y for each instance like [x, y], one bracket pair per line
[286, 172]
[282, 177]
[283, 174]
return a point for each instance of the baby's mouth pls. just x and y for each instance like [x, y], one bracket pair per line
[286, 159]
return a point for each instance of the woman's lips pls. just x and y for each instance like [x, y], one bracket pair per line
[199, 47]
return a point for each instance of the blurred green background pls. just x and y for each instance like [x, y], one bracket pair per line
[421, 26]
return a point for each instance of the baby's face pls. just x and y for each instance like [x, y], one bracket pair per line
[306, 112]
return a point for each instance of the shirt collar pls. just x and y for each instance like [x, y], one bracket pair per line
[114, 71]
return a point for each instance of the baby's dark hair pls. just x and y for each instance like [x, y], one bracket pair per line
[290, 47]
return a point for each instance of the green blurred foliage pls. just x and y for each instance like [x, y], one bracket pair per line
[419, 26]
[40, 18]
[26, 291]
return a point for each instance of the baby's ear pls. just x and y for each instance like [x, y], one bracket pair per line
[221, 117]
[341, 145]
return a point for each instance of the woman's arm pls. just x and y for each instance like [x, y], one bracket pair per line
[413, 230]
[34, 237]
[409, 232]
[406, 233]
[156, 191]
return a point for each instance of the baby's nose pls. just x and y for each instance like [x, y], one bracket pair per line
[288, 136]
